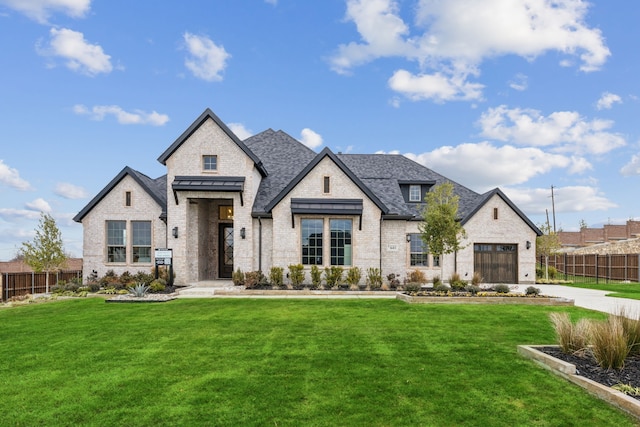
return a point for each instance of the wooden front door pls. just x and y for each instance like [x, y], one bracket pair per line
[225, 244]
[496, 263]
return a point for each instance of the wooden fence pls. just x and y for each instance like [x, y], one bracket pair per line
[19, 284]
[596, 268]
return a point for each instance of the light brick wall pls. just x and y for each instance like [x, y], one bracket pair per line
[286, 247]
[509, 228]
[209, 139]
[112, 207]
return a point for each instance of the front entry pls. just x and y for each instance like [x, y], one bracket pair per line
[225, 244]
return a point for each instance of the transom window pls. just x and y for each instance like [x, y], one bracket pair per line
[414, 193]
[418, 251]
[312, 241]
[340, 241]
[116, 241]
[210, 163]
[141, 241]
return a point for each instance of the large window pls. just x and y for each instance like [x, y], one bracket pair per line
[312, 241]
[141, 241]
[340, 241]
[116, 241]
[418, 251]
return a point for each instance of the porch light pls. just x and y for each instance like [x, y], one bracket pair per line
[243, 233]
[174, 232]
[528, 245]
[408, 237]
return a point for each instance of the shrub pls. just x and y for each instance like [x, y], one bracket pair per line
[572, 338]
[374, 278]
[394, 282]
[532, 290]
[553, 272]
[631, 328]
[412, 287]
[93, 286]
[476, 279]
[417, 276]
[127, 279]
[442, 288]
[539, 272]
[333, 276]
[316, 277]
[472, 289]
[147, 278]
[501, 288]
[276, 276]
[158, 285]
[139, 290]
[296, 274]
[436, 281]
[354, 274]
[252, 279]
[609, 343]
[237, 277]
[456, 283]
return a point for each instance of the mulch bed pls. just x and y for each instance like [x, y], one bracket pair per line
[588, 368]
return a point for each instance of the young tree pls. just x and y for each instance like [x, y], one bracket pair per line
[45, 252]
[440, 229]
[547, 245]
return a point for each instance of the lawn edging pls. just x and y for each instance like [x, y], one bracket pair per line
[568, 371]
[555, 301]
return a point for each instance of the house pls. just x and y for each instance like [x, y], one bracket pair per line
[270, 201]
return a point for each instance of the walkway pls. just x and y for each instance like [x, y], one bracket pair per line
[593, 299]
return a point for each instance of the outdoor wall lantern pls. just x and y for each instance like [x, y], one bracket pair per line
[528, 244]
[175, 232]
[243, 232]
[408, 237]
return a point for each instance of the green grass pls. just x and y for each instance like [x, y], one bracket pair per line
[618, 290]
[284, 363]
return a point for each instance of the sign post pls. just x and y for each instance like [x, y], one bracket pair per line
[164, 256]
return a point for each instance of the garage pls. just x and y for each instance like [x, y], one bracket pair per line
[496, 263]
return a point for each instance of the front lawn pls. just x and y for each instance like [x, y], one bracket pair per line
[284, 363]
[618, 290]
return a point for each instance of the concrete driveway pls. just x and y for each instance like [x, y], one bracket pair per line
[592, 299]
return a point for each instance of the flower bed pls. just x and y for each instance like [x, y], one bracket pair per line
[428, 297]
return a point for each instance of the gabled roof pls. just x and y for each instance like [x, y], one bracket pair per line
[208, 114]
[326, 152]
[497, 192]
[156, 188]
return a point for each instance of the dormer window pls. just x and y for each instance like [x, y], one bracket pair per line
[210, 163]
[414, 193]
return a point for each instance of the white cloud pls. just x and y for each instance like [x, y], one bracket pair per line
[70, 191]
[272, 2]
[438, 86]
[566, 199]
[9, 214]
[41, 10]
[633, 167]
[520, 82]
[206, 60]
[80, 55]
[451, 38]
[607, 100]
[310, 138]
[240, 130]
[137, 117]
[565, 131]
[488, 166]
[38, 205]
[11, 177]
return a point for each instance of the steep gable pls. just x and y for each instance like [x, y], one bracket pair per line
[497, 192]
[156, 188]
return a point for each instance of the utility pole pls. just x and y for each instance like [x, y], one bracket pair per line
[553, 207]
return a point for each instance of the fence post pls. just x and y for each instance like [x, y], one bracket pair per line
[33, 283]
[597, 272]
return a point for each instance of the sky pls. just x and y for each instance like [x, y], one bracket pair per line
[525, 96]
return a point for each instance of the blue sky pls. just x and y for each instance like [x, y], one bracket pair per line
[490, 93]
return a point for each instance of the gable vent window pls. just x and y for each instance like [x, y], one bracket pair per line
[326, 185]
[495, 213]
[210, 163]
[414, 193]
[127, 198]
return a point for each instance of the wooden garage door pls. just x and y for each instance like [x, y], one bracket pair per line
[496, 263]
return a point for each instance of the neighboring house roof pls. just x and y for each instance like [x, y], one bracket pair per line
[496, 191]
[208, 114]
[156, 188]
